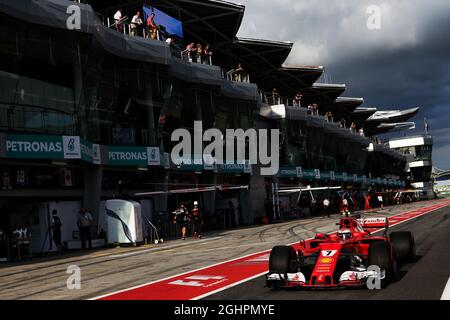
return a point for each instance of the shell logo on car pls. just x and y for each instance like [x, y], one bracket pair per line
[326, 260]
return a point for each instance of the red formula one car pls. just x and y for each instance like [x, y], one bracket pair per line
[347, 258]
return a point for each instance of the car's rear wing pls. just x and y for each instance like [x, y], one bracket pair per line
[374, 223]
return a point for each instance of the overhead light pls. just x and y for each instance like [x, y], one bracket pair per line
[142, 169]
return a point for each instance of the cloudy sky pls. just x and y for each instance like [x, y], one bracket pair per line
[405, 64]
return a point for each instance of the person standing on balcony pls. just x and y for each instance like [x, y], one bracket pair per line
[275, 96]
[298, 99]
[207, 54]
[136, 23]
[117, 24]
[330, 116]
[238, 72]
[152, 28]
[315, 109]
[190, 49]
[198, 53]
[361, 132]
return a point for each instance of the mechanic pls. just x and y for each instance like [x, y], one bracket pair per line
[182, 218]
[380, 200]
[326, 206]
[197, 221]
[56, 230]
[344, 205]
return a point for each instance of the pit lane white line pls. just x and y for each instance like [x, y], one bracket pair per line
[446, 293]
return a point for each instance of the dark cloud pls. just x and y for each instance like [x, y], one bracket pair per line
[405, 64]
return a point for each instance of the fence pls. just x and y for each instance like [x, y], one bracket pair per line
[238, 76]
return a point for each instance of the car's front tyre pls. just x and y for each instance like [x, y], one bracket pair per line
[283, 260]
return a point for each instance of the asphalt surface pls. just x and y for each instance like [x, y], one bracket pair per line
[423, 280]
[108, 270]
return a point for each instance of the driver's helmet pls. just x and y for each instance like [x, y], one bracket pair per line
[345, 234]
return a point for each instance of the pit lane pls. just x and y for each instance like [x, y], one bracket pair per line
[106, 271]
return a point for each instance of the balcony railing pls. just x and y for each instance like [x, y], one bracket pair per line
[238, 76]
[275, 99]
[194, 57]
[131, 29]
[141, 31]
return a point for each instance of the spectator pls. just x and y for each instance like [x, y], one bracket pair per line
[298, 99]
[84, 224]
[136, 23]
[197, 221]
[238, 72]
[310, 109]
[190, 49]
[342, 123]
[361, 132]
[169, 41]
[56, 230]
[315, 109]
[275, 96]
[353, 127]
[117, 20]
[152, 28]
[199, 53]
[207, 54]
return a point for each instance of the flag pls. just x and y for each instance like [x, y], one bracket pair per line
[426, 126]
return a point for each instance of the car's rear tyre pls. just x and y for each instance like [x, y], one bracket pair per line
[380, 255]
[404, 245]
[283, 259]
